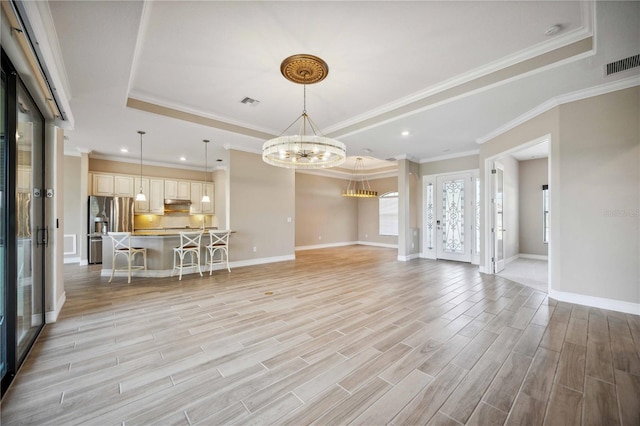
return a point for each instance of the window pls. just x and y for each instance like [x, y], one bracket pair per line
[388, 211]
[545, 214]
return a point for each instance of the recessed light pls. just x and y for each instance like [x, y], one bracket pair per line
[405, 133]
[124, 150]
[183, 158]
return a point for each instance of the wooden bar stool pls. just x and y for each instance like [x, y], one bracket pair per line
[189, 243]
[122, 246]
[218, 241]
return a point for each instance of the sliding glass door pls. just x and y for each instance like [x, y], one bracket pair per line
[23, 235]
[3, 221]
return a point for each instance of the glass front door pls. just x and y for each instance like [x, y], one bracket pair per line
[454, 196]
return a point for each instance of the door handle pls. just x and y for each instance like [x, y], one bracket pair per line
[42, 236]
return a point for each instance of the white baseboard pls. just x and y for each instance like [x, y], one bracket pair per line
[84, 262]
[371, 243]
[409, 257]
[329, 245]
[263, 260]
[72, 260]
[596, 302]
[511, 259]
[533, 256]
[52, 316]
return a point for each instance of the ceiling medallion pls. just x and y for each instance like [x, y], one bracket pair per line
[304, 69]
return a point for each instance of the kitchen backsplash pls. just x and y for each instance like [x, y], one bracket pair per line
[151, 221]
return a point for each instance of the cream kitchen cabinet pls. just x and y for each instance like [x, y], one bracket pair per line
[208, 208]
[102, 185]
[154, 191]
[177, 189]
[156, 196]
[196, 198]
[197, 191]
[123, 186]
[109, 185]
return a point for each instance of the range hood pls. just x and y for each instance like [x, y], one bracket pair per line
[176, 206]
[173, 202]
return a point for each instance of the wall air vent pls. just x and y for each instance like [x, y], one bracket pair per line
[623, 64]
[249, 101]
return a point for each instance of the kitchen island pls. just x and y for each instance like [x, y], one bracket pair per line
[159, 244]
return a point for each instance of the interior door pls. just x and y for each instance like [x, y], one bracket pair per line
[497, 225]
[454, 195]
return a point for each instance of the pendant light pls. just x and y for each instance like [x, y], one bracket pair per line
[205, 197]
[302, 150]
[141, 196]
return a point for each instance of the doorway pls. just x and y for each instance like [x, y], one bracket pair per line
[451, 210]
[516, 223]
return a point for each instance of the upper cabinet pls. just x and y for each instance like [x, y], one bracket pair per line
[154, 191]
[102, 185]
[123, 186]
[198, 190]
[208, 208]
[177, 189]
[109, 185]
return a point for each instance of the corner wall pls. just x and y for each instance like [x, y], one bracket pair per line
[261, 200]
[594, 193]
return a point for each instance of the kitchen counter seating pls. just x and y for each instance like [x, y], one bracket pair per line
[160, 254]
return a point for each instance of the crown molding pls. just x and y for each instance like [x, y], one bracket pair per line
[146, 163]
[450, 156]
[602, 89]
[575, 36]
[337, 174]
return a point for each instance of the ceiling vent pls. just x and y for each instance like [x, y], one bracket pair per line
[249, 101]
[623, 64]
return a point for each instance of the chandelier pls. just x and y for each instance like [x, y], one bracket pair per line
[358, 184]
[304, 151]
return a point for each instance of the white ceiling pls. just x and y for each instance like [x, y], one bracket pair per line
[437, 69]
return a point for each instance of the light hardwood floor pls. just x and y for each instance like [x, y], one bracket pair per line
[338, 336]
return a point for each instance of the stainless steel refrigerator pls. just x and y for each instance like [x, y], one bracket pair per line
[107, 214]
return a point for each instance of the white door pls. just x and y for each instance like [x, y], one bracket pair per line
[497, 225]
[453, 199]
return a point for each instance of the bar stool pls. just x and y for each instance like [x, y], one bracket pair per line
[218, 241]
[189, 243]
[122, 246]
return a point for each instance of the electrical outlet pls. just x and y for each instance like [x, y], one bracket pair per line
[319, 237]
[255, 249]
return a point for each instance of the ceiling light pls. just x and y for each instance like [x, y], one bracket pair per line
[358, 185]
[405, 133]
[124, 150]
[205, 196]
[303, 151]
[141, 196]
[183, 158]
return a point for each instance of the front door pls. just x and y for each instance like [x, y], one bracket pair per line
[454, 196]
